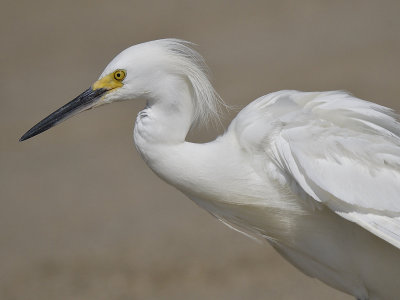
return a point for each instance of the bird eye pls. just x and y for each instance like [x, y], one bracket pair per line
[119, 75]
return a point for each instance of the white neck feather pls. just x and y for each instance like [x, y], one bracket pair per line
[160, 133]
[161, 129]
[167, 117]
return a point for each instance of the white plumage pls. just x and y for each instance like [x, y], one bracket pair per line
[316, 174]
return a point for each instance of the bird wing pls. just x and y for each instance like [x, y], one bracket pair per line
[342, 151]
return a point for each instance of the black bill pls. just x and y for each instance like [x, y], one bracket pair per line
[84, 101]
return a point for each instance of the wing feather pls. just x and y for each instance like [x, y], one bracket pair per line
[342, 151]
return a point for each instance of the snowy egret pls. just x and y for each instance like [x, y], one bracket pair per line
[316, 174]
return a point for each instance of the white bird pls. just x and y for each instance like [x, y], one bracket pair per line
[316, 174]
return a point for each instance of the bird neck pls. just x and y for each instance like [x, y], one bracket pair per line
[168, 115]
[160, 133]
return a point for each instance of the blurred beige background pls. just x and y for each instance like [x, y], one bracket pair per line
[81, 215]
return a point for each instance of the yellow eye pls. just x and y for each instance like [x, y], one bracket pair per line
[119, 75]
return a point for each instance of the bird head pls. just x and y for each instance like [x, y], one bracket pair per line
[129, 75]
[139, 71]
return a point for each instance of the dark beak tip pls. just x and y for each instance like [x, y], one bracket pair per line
[80, 103]
[25, 137]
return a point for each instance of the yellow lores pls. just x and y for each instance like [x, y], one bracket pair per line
[110, 81]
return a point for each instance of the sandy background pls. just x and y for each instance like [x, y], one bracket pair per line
[82, 217]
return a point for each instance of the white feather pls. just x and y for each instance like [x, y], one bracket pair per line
[344, 152]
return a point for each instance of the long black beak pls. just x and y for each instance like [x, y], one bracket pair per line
[84, 101]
